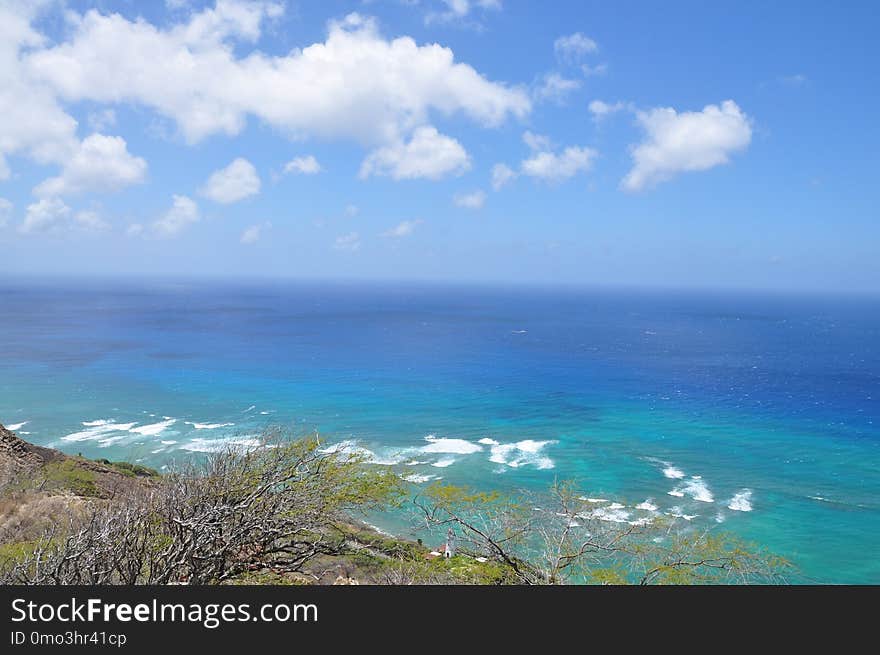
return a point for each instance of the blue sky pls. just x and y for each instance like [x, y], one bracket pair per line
[682, 144]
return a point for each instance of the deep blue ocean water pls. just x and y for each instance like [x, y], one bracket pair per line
[754, 413]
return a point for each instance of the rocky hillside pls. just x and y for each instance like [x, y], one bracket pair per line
[24, 465]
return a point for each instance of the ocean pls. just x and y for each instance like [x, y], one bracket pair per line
[755, 413]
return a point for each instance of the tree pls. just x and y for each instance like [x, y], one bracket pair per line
[209, 521]
[561, 537]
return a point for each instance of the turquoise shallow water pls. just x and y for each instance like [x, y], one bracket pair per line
[753, 413]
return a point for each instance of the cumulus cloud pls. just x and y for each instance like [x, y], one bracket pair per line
[33, 122]
[183, 213]
[354, 85]
[553, 87]
[428, 154]
[5, 211]
[45, 215]
[350, 242]
[473, 200]
[457, 10]
[101, 119]
[502, 175]
[555, 167]
[91, 220]
[590, 71]
[253, 233]
[236, 182]
[536, 141]
[600, 109]
[687, 141]
[574, 47]
[306, 165]
[402, 229]
[100, 163]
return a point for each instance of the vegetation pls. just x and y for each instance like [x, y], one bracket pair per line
[130, 469]
[283, 514]
[560, 538]
[208, 522]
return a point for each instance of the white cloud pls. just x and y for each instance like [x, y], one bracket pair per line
[5, 211]
[428, 154]
[536, 141]
[33, 123]
[351, 211]
[502, 175]
[456, 10]
[45, 215]
[555, 88]
[354, 85]
[101, 119]
[100, 163]
[798, 79]
[236, 182]
[91, 220]
[253, 233]
[402, 229]
[555, 167]
[688, 141]
[574, 46]
[307, 165]
[183, 213]
[134, 230]
[473, 200]
[350, 242]
[590, 71]
[600, 109]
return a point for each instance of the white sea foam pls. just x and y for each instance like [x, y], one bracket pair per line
[679, 514]
[487, 441]
[444, 462]
[379, 530]
[153, 429]
[200, 445]
[742, 501]
[16, 426]
[673, 473]
[98, 430]
[419, 478]
[644, 520]
[522, 453]
[351, 448]
[594, 500]
[611, 513]
[648, 505]
[387, 459]
[450, 446]
[209, 426]
[168, 442]
[696, 488]
[249, 409]
[109, 441]
[719, 517]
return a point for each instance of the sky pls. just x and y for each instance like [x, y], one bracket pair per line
[678, 144]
